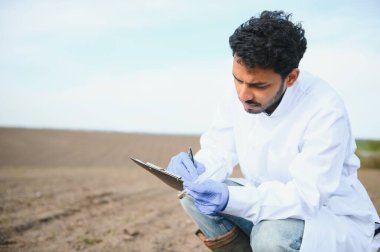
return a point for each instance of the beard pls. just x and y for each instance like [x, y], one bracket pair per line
[257, 108]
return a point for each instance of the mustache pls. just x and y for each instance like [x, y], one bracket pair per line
[251, 102]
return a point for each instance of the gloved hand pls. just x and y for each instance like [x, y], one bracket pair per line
[210, 196]
[182, 166]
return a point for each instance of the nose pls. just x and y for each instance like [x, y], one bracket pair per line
[244, 93]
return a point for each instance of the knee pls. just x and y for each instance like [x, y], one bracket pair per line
[266, 238]
[280, 235]
[266, 243]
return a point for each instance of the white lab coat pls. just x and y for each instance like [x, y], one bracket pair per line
[298, 162]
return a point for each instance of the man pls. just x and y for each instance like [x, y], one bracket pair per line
[291, 135]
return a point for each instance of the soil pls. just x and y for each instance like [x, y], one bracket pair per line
[79, 191]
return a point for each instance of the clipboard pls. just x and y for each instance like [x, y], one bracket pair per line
[168, 178]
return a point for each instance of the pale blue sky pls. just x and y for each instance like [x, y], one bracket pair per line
[161, 66]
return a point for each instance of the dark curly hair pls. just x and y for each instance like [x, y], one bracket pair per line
[271, 41]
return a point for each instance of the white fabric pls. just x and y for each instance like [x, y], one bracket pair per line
[298, 162]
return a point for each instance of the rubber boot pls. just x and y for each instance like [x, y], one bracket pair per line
[233, 240]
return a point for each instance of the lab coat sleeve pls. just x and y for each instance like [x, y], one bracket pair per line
[218, 152]
[316, 172]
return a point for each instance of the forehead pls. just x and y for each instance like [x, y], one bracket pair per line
[257, 74]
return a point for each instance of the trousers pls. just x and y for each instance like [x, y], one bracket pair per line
[267, 235]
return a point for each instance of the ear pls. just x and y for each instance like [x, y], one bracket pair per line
[292, 77]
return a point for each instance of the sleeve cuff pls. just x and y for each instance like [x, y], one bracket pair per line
[243, 202]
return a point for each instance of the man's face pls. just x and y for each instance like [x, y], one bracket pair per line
[258, 89]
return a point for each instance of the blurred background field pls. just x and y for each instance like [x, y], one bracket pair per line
[63, 190]
[142, 66]
[369, 153]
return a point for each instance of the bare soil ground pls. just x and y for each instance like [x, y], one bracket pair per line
[78, 191]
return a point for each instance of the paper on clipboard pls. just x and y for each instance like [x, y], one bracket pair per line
[168, 178]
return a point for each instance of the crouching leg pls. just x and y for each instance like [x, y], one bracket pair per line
[217, 232]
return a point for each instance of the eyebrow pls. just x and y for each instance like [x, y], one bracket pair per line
[253, 84]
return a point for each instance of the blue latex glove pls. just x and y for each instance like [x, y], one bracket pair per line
[181, 165]
[210, 196]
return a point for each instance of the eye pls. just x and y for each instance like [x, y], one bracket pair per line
[261, 87]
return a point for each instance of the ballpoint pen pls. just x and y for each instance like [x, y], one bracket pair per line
[190, 152]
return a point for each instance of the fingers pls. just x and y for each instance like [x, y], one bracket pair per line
[183, 166]
[191, 188]
[204, 205]
[205, 209]
[187, 185]
[198, 188]
[188, 164]
[210, 196]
